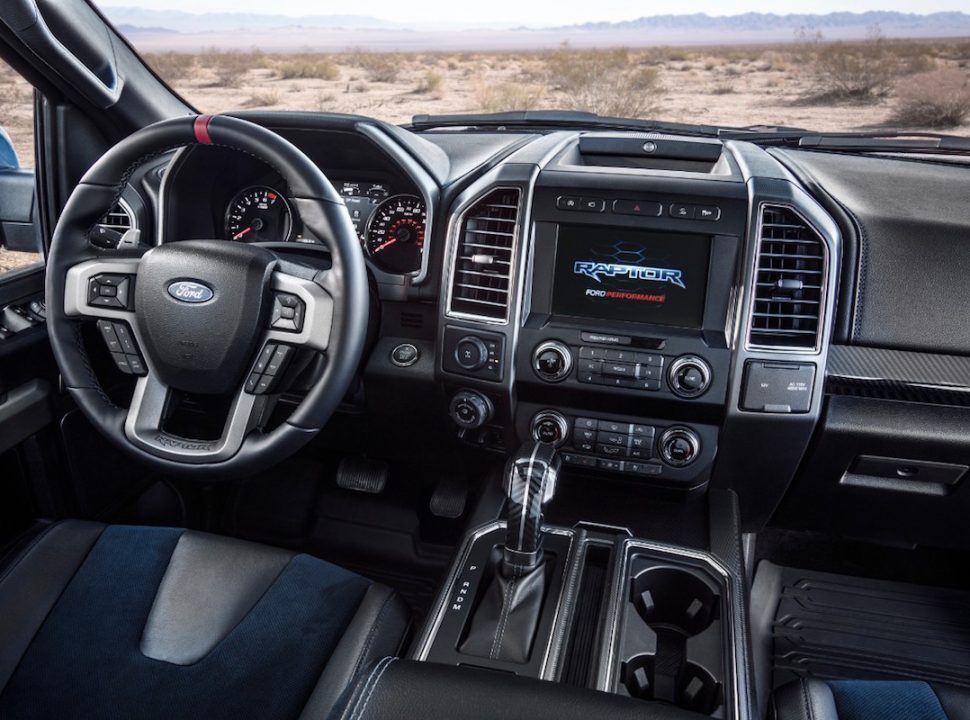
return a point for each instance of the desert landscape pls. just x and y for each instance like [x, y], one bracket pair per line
[876, 83]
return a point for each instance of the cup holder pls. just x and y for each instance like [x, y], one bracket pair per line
[677, 605]
[675, 600]
[689, 686]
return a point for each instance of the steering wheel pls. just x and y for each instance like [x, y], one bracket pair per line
[208, 317]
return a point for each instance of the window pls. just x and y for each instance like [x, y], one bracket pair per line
[19, 236]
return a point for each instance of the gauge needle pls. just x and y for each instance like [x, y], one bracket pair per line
[385, 245]
[241, 233]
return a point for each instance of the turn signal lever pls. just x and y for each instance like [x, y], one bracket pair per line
[530, 483]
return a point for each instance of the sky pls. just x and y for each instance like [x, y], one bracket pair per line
[543, 12]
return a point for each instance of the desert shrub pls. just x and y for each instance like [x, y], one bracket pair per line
[380, 67]
[263, 99]
[308, 65]
[722, 89]
[937, 99]
[170, 66]
[602, 81]
[230, 66]
[860, 71]
[507, 97]
[430, 83]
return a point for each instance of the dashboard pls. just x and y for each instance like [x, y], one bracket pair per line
[675, 313]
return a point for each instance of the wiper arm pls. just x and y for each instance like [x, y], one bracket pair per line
[897, 142]
[558, 119]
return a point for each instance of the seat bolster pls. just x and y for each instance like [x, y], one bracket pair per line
[955, 701]
[32, 582]
[377, 630]
[804, 699]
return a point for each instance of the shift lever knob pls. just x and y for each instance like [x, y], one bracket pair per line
[530, 482]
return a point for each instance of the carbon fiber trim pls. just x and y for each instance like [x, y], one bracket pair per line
[898, 375]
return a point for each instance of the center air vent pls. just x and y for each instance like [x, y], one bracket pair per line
[790, 275]
[481, 278]
[107, 233]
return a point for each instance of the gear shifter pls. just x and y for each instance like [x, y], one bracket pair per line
[503, 625]
[530, 483]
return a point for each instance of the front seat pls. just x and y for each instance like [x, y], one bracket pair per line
[118, 621]
[814, 699]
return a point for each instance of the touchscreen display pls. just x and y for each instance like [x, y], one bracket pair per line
[632, 276]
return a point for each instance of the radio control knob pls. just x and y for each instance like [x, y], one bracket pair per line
[470, 410]
[689, 376]
[551, 427]
[471, 353]
[552, 361]
[679, 446]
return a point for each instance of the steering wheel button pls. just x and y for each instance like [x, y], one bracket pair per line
[287, 313]
[108, 290]
[136, 365]
[121, 360]
[110, 338]
[128, 345]
[252, 382]
[279, 359]
[264, 357]
[264, 384]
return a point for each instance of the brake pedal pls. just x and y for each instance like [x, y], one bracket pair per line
[362, 475]
[449, 498]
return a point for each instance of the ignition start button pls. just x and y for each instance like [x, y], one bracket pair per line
[405, 355]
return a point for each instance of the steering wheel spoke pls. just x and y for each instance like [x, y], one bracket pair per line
[301, 314]
[146, 416]
[103, 288]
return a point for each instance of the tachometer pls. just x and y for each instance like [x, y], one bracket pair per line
[259, 214]
[395, 234]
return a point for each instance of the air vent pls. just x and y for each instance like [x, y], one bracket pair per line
[107, 233]
[787, 304]
[481, 281]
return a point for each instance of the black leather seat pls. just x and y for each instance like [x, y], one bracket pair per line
[133, 622]
[813, 699]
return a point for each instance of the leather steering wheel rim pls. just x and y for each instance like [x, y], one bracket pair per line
[344, 286]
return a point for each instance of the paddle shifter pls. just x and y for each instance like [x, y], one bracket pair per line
[503, 625]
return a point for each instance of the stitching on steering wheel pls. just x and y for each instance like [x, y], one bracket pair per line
[96, 384]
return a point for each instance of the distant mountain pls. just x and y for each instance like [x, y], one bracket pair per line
[947, 23]
[142, 20]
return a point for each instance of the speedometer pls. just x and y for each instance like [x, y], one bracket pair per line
[258, 214]
[395, 234]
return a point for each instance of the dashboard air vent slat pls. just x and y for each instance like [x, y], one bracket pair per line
[481, 277]
[786, 310]
[108, 231]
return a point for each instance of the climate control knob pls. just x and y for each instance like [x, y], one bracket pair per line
[470, 409]
[689, 376]
[552, 361]
[551, 427]
[471, 353]
[679, 446]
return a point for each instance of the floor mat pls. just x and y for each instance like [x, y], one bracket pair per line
[838, 626]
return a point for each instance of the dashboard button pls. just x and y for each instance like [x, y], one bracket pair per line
[568, 202]
[642, 430]
[585, 423]
[405, 355]
[646, 208]
[609, 438]
[593, 367]
[614, 369]
[648, 372]
[649, 359]
[682, 212]
[613, 426]
[591, 353]
[595, 205]
[471, 353]
[707, 212]
[610, 465]
[642, 468]
[611, 450]
[584, 435]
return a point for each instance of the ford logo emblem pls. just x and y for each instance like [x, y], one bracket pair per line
[190, 292]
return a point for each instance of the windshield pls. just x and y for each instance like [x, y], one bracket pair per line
[900, 65]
